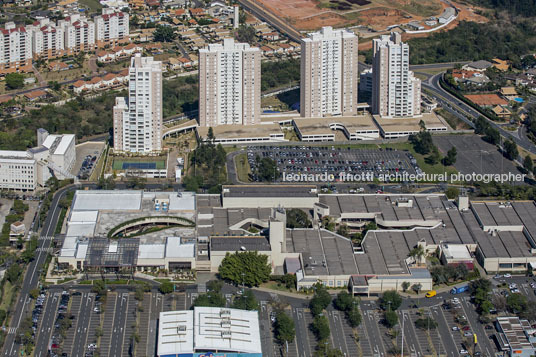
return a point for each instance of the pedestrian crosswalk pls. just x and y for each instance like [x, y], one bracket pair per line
[48, 250]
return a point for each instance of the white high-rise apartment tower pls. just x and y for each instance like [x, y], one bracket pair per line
[329, 74]
[138, 122]
[395, 90]
[229, 84]
[15, 49]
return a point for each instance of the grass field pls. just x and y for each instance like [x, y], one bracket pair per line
[242, 167]
[429, 169]
[159, 161]
[93, 5]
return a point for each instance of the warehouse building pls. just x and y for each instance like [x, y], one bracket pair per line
[206, 330]
[498, 236]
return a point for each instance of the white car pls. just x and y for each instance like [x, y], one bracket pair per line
[507, 275]
[455, 328]
[463, 352]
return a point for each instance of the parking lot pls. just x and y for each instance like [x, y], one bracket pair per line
[87, 156]
[334, 160]
[474, 154]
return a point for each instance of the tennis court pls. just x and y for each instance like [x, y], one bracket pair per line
[139, 164]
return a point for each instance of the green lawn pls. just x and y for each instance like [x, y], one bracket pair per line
[6, 297]
[429, 169]
[242, 167]
[94, 5]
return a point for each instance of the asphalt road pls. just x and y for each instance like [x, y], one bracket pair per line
[82, 325]
[46, 327]
[31, 277]
[119, 324]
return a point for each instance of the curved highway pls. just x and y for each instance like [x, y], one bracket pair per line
[463, 110]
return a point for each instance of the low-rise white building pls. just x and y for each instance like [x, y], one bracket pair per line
[205, 329]
[25, 170]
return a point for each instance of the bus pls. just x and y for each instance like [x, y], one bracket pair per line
[475, 339]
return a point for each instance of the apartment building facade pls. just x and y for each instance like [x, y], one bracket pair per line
[229, 84]
[79, 33]
[111, 27]
[48, 40]
[396, 92]
[15, 49]
[329, 73]
[138, 118]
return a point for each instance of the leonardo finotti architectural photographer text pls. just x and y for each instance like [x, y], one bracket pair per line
[402, 177]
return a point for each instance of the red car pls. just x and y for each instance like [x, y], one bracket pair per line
[466, 328]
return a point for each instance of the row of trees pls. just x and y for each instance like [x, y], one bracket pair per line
[207, 169]
[492, 136]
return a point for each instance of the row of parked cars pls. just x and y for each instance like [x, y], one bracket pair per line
[36, 313]
[87, 166]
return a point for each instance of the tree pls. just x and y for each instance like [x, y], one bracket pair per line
[405, 286]
[210, 299]
[164, 33]
[13, 273]
[434, 157]
[296, 218]
[320, 327]
[422, 142]
[99, 287]
[426, 323]
[138, 294]
[210, 135]
[390, 318]
[528, 163]
[450, 159]
[245, 34]
[19, 207]
[320, 300]
[215, 285]
[284, 328]
[166, 287]
[417, 287]
[14, 80]
[344, 301]
[246, 302]
[267, 170]
[248, 268]
[390, 300]
[417, 253]
[34, 293]
[452, 192]
[354, 317]
[510, 150]
[516, 303]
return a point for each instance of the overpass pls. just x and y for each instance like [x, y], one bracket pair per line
[180, 128]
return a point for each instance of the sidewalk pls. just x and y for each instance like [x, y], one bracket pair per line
[285, 293]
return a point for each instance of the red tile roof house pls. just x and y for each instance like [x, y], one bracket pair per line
[79, 86]
[36, 94]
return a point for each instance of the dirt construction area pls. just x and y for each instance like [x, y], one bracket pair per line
[377, 14]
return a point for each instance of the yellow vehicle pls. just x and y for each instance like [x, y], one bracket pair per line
[431, 293]
[475, 339]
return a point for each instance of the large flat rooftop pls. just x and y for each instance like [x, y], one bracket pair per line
[269, 191]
